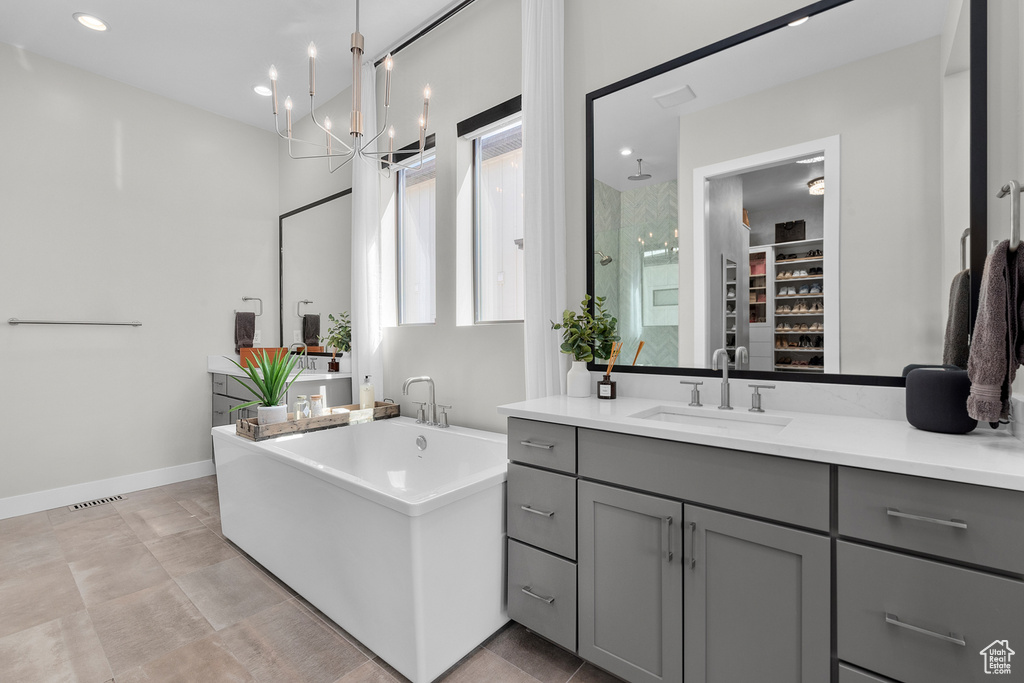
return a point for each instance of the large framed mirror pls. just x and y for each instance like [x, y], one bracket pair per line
[799, 190]
[315, 256]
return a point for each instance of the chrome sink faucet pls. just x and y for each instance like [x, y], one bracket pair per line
[431, 405]
[741, 357]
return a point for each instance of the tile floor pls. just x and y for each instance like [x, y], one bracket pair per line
[148, 590]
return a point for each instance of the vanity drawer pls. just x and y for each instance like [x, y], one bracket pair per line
[221, 407]
[542, 443]
[220, 383]
[974, 524]
[849, 674]
[542, 509]
[791, 491]
[920, 621]
[542, 593]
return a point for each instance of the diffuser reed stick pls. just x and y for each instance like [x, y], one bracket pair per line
[616, 348]
[638, 349]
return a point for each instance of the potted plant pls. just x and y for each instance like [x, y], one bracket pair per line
[586, 336]
[270, 385]
[339, 337]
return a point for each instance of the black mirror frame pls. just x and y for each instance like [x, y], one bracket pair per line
[977, 191]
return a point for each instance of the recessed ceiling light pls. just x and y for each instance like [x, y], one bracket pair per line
[799, 21]
[262, 90]
[811, 160]
[625, 151]
[89, 21]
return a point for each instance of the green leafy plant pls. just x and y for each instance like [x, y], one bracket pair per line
[588, 336]
[339, 335]
[269, 378]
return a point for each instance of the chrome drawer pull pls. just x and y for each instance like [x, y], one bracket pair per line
[542, 513]
[957, 523]
[549, 600]
[951, 638]
[531, 444]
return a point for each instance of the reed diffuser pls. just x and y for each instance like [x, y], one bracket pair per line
[606, 387]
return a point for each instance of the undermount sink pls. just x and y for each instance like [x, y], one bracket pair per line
[734, 421]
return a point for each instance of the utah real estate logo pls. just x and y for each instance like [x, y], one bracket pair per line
[997, 657]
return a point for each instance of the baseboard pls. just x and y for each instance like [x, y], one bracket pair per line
[14, 506]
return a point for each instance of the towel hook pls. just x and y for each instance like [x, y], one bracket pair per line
[298, 306]
[1012, 188]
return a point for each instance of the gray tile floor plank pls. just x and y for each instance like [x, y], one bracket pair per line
[230, 591]
[65, 649]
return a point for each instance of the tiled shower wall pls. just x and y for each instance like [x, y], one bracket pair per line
[621, 220]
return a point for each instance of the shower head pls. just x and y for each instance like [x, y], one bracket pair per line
[640, 175]
[605, 260]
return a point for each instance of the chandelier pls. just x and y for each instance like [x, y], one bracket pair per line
[359, 146]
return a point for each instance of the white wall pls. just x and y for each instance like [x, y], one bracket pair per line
[120, 205]
[472, 63]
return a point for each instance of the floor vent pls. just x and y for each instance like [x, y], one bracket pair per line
[94, 503]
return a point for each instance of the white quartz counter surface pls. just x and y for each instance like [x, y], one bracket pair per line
[985, 456]
[224, 366]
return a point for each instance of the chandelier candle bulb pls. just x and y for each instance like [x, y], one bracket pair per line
[389, 64]
[391, 144]
[288, 114]
[327, 125]
[312, 69]
[273, 86]
[426, 103]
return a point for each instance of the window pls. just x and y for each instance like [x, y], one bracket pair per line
[416, 250]
[498, 223]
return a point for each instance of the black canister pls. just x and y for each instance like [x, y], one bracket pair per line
[937, 400]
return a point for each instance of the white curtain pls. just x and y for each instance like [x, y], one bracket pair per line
[544, 194]
[367, 338]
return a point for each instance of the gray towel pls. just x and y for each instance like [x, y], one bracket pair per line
[955, 347]
[995, 346]
[311, 329]
[245, 329]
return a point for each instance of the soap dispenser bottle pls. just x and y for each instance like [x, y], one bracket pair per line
[366, 394]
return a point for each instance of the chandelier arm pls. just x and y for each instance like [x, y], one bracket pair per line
[348, 148]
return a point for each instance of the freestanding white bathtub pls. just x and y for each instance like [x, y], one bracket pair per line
[401, 547]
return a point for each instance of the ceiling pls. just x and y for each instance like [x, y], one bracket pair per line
[210, 54]
[631, 118]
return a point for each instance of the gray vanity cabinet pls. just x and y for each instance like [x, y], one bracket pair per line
[757, 600]
[630, 583]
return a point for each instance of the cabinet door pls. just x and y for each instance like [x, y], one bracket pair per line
[756, 601]
[630, 583]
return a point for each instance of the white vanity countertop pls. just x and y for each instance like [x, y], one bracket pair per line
[985, 456]
[224, 366]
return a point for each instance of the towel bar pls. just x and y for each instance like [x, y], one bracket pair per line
[16, 321]
[255, 298]
[298, 306]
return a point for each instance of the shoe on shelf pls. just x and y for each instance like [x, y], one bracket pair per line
[800, 273]
[730, 293]
[791, 291]
[787, 327]
[804, 290]
[819, 342]
[816, 288]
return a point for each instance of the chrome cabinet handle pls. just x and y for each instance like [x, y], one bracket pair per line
[956, 523]
[548, 599]
[951, 638]
[531, 444]
[218, 412]
[693, 542]
[542, 513]
[666, 536]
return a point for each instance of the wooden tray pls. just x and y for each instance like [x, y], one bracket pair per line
[249, 429]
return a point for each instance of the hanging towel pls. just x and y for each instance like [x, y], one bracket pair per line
[311, 329]
[245, 329]
[955, 348]
[995, 352]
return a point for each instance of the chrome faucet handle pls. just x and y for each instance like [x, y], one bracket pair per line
[442, 419]
[755, 399]
[694, 393]
[421, 412]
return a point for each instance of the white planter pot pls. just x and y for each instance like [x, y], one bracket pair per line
[577, 381]
[268, 415]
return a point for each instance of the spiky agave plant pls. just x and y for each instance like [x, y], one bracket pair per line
[269, 378]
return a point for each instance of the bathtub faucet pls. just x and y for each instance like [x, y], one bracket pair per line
[431, 405]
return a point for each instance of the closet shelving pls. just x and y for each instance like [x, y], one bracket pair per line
[758, 299]
[805, 254]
